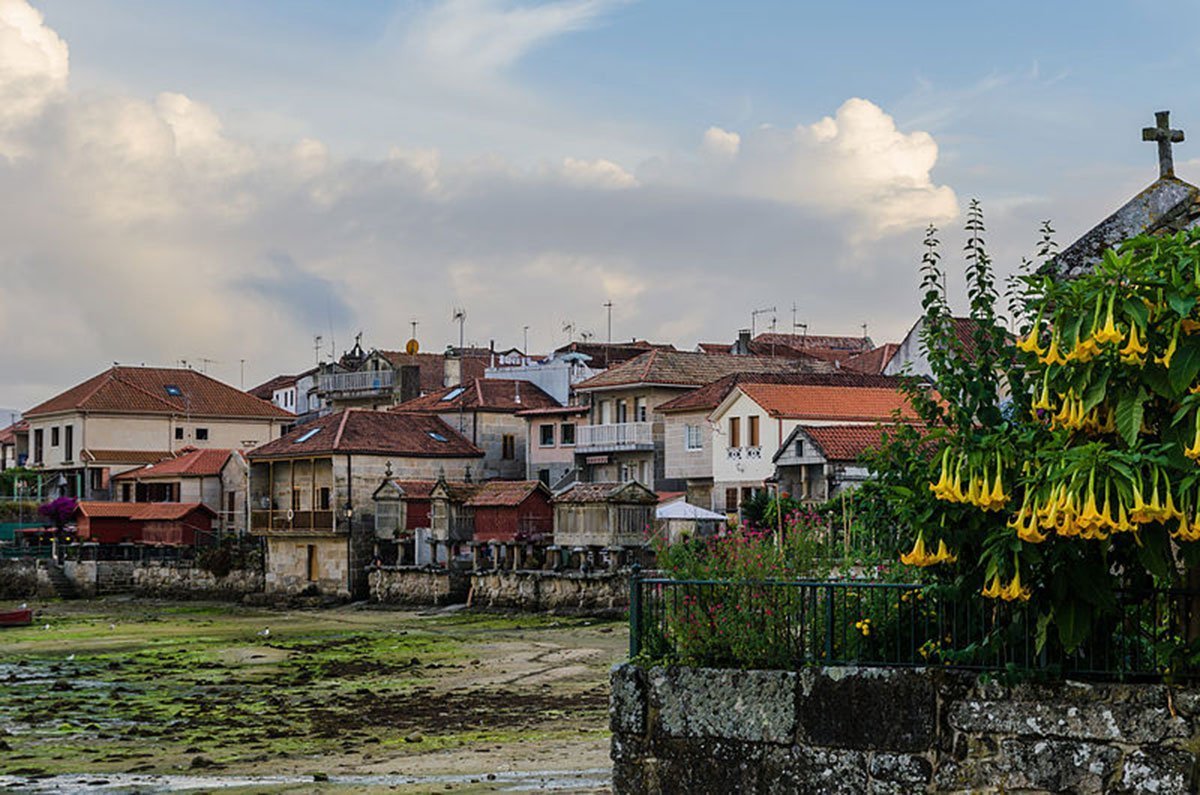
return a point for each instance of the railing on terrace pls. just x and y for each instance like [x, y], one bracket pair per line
[364, 382]
[280, 521]
[614, 437]
[794, 624]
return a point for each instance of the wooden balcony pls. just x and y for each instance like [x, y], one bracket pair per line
[297, 522]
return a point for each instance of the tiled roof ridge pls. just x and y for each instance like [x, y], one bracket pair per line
[337, 438]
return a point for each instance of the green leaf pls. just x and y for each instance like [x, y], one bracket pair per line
[1155, 553]
[1156, 378]
[1181, 303]
[1074, 620]
[1185, 365]
[1043, 625]
[1129, 415]
[1094, 394]
[1137, 311]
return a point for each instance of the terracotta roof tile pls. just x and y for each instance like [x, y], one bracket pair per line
[708, 397]
[266, 390]
[873, 361]
[193, 464]
[844, 442]
[609, 354]
[504, 493]
[806, 342]
[93, 455]
[159, 390]
[140, 511]
[808, 402]
[371, 433]
[9, 434]
[550, 411]
[692, 368]
[416, 489]
[483, 394]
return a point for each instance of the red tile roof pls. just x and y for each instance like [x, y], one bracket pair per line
[603, 492]
[93, 455]
[140, 511]
[416, 489]
[505, 493]
[144, 390]
[692, 369]
[266, 390]
[411, 435]
[549, 411]
[432, 367]
[708, 397]
[849, 404]
[844, 442]
[609, 354]
[483, 394]
[873, 361]
[190, 464]
[809, 342]
[9, 434]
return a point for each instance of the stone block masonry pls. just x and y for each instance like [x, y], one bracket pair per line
[896, 731]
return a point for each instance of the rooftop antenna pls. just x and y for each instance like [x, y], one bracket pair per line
[525, 350]
[585, 335]
[317, 349]
[864, 328]
[242, 362]
[569, 329]
[460, 317]
[608, 305]
[754, 317]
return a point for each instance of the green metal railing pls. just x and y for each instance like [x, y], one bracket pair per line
[794, 624]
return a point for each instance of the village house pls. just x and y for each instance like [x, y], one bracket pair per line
[816, 463]
[910, 357]
[127, 417]
[550, 442]
[556, 375]
[14, 445]
[296, 394]
[311, 491]
[623, 439]
[751, 422]
[485, 412]
[688, 432]
[216, 478]
[166, 524]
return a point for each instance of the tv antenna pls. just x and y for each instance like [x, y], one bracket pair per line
[754, 318]
[569, 329]
[608, 305]
[317, 348]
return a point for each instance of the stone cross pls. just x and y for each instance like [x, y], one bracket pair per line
[1165, 136]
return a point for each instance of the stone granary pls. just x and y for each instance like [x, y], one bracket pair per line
[614, 518]
[311, 492]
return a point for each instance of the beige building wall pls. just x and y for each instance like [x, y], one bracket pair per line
[303, 562]
[680, 460]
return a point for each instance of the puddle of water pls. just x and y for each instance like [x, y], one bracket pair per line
[520, 781]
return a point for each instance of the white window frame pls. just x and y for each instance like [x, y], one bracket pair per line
[693, 439]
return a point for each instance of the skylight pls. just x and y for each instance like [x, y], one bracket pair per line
[173, 390]
[304, 437]
[453, 393]
[437, 437]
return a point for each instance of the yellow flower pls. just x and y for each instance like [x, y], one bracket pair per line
[993, 590]
[1165, 359]
[918, 556]
[943, 555]
[1193, 452]
[1030, 343]
[1109, 333]
[1134, 349]
[1053, 355]
[1015, 591]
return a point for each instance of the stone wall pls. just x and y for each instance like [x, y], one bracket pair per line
[18, 579]
[550, 591]
[410, 585]
[896, 731]
[187, 581]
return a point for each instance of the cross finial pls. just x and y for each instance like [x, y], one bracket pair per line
[1162, 133]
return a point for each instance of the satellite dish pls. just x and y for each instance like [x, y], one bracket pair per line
[411, 347]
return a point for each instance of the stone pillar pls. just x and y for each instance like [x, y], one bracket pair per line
[518, 556]
[476, 556]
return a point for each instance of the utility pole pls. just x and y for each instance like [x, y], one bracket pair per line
[317, 340]
[608, 305]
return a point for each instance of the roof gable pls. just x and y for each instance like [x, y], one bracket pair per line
[821, 402]
[504, 395]
[693, 369]
[371, 433]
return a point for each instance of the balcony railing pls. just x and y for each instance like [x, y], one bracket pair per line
[279, 521]
[746, 453]
[366, 382]
[615, 437]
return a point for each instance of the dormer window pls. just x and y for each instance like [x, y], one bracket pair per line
[173, 390]
[437, 437]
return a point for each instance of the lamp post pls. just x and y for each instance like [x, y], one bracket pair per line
[348, 512]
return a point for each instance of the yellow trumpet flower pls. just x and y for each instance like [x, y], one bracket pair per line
[1030, 343]
[943, 554]
[993, 590]
[918, 556]
[1053, 355]
[1169, 353]
[1109, 333]
[1193, 452]
[1015, 591]
[1135, 350]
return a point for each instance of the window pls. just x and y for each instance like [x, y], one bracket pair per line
[54, 436]
[38, 452]
[567, 434]
[605, 412]
[173, 390]
[622, 411]
[752, 428]
[323, 498]
[231, 503]
[692, 438]
[179, 432]
[731, 500]
[311, 568]
[69, 443]
[546, 435]
[799, 448]
[735, 432]
[544, 477]
[304, 437]
[437, 437]
[639, 410]
[126, 492]
[202, 434]
[508, 447]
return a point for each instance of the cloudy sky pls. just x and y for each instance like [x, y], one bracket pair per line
[224, 180]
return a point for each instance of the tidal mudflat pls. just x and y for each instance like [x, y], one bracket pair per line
[120, 695]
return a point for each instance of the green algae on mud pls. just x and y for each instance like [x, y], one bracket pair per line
[159, 688]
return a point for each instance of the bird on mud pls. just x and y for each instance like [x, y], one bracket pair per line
[266, 632]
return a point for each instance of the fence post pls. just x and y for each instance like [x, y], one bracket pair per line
[635, 611]
[828, 625]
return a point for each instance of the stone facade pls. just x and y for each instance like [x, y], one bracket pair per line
[845, 730]
[187, 581]
[552, 591]
[405, 585]
[301, 563]
[18, 579]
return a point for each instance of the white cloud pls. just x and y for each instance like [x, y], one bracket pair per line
[142, 231]
[33, 67]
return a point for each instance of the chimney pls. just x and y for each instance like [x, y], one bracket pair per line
[742, 346]
[410, 382]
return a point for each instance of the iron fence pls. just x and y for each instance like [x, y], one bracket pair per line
[794, 624]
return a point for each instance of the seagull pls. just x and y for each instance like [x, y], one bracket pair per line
[70, 657]
[24, 606]
[46, 627]
[112, 626]
[266, 632]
